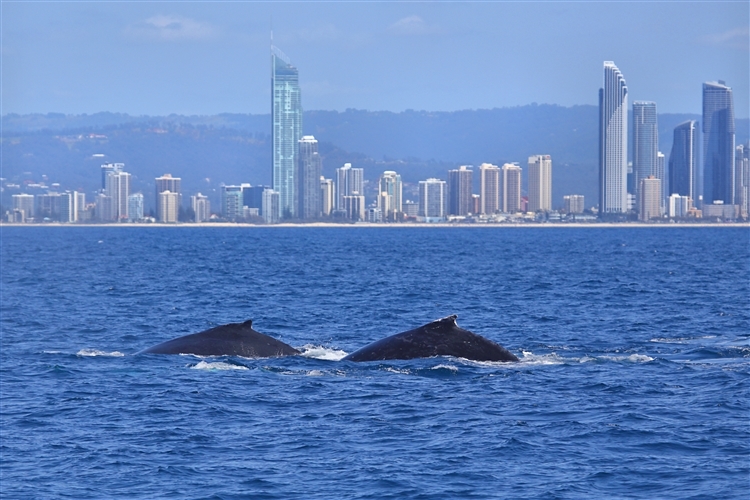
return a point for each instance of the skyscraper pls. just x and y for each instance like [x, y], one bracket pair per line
[327, 196]
[489, 188]
[460, 201]
[683, 161]
[308, 178]
[135, 207]
[432, 199]
[510, 190]
[718, 143]
[742, 178]
[167, 183]
[649, 199]
[232, 201]
[645, 141]
[349, 182]
[69, 206]
[286, 115]
[573, 203]
[107, 168]
[613, 142]
[540, 183]
[168, 206]
[271, 207]
[389, 199]
[25, 203]
[117, 189]
[201, 207]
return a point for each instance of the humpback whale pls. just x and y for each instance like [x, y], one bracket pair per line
[233, 339]
[442, 337]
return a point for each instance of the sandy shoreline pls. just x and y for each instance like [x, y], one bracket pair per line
[393, 225]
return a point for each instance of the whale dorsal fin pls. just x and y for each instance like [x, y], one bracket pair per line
[448, 320]
[248, 323]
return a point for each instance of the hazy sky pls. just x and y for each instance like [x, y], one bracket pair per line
[213, 57]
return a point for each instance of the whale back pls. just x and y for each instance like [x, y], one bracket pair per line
[442, 337]
[233, 339]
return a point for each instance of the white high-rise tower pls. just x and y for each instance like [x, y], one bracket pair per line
[613, 142]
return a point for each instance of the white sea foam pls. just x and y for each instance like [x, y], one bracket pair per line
[395, 370]
[315, 373]
[324, 353]
[529, 358]
[633, 358]
[96, 352]
[218, 365]
[445, 367]
[52, 352]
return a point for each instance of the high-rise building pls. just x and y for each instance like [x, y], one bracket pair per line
[252, 197]
[69, 206]
[573, 203]
[460, 201]
[678, 205]
[613, 142]
[649, 198]
[661, 174]
[432, 199]
[327, 196]
[24, 202]
[354, 206]
[645, 141]
[167, 183]
[489, 188]
[271, 206]
[308, 178]
[117, 189]
[201, 207]
[540, 183]
[389, 197]
[47, 205]
[232, 201]
[103, 208]
[168, 206]
[108, 168]
[742, 178]
[135, 207]
[349, 182]
[718, 143]
[684, 161]
[286, 115]
[510, 188]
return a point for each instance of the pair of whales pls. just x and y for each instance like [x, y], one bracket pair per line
[442, 337]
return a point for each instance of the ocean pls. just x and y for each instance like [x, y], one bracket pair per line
[633, 381]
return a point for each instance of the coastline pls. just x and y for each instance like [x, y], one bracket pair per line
[390, 225]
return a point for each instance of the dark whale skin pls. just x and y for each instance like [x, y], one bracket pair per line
[233, 339]
[442, 337]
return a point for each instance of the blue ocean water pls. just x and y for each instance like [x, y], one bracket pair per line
[633, 380]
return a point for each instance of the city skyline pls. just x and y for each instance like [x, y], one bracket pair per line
[192, 58]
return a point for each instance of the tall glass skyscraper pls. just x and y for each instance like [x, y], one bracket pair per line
[613, 142]
[683, 161]
[645, 141]
[286, 114]
[718, 143]
[308, 178]
[460, 183]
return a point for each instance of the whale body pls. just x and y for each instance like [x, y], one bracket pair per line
[233, 339]
[442, 337]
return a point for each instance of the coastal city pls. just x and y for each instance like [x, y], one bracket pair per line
[706, 177]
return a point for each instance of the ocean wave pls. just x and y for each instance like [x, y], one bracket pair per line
[445, 367]
[324, 353]
[217, 365]
[97, 352]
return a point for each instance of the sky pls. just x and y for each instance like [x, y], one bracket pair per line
[203, 58]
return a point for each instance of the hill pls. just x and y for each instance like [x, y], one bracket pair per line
[207, 151]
